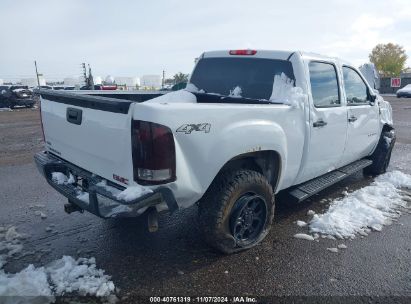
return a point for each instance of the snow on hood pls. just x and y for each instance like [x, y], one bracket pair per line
[285, 92]
[181, 96]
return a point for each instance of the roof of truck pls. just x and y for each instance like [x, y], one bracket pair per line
[276, 54]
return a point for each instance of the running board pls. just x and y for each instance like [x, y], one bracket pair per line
[307, 189]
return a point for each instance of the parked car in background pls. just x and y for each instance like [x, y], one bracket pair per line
[46, 87]
[16, 95]
[63, 87]
[405, 91]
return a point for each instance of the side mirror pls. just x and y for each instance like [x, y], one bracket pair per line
[371, 97]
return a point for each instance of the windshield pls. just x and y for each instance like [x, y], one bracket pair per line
[239, 77]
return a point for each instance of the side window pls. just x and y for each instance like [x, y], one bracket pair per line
[355, 88]
[324, 84]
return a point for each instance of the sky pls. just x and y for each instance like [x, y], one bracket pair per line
[133, 38]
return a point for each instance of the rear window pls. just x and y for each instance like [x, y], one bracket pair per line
[246, 77]
[324, 84]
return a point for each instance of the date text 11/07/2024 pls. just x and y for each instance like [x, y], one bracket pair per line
[236, 299]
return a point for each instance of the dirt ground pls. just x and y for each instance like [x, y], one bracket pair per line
[21, 136]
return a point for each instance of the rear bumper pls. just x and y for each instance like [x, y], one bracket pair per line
[100, 201]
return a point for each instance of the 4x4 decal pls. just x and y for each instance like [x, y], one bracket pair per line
[188, 128]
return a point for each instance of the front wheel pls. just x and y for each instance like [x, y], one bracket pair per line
[382, 154]
[237, 211]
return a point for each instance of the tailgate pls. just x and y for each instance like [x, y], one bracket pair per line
[91, 132]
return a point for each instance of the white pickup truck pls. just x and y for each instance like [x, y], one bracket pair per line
[250, 123]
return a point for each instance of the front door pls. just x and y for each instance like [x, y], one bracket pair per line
[362, 117]
[328, 121]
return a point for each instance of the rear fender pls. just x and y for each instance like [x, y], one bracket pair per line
[197, 170]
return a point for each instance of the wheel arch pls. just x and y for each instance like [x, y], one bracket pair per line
[387, 127]
[266, 162]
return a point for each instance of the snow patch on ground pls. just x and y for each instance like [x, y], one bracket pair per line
[81, 275]
[304, 236]
[41, 214]
[62, 276]
[370, 207]
[301, 224]
[10, 244]
[310, 212]
[285, 92]
[334, 250]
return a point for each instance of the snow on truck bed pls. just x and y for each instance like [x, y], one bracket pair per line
[366, 209]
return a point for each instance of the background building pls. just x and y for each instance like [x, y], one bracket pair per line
[129, 82]
[151, 81]
[406, 73]
[32, 82]
[72, 81]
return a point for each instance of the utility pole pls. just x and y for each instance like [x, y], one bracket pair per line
[90, 80]
[163, 80]
[84, 73]
[37, 74]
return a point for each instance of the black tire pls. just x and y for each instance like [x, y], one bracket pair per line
[233, 201]
[382, 154]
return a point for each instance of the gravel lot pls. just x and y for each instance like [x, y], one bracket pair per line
[175, 261]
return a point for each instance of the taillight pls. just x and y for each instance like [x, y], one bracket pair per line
[243, 52]
[154, 156]
[41, 121]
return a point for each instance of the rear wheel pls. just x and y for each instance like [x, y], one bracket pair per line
[382, 154]
[237, 211]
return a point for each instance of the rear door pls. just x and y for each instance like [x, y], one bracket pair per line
[362, 117]
[328, 121]
[93, 133]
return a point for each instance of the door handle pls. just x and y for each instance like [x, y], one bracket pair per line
[352, 119]
[74, 116]
[319, 123]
